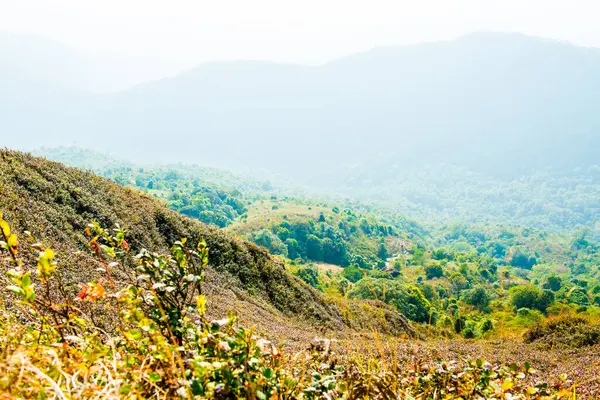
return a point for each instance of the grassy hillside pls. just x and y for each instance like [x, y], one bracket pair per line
[49, 202]
[55, 203]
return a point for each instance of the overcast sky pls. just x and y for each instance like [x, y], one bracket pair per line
[188, 32]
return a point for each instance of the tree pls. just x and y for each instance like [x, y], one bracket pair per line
[578, 296]
[407, 299]
[522, 260]
[382, 251]
[553, 283]
[267, 239]
[353, 273]
[293, 248]
[314, 248]
[478, 297]
[458, 282]
[419, 256]
[334, 251]
[529, 296]
[434, 271]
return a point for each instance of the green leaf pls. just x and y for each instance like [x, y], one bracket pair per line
[16, 290]
[26, 280]
[268, 373]
[125, 389]
[134, 334]
[154, 377]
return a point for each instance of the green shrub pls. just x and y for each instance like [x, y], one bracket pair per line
[477, 297]
[529, 296]
[564, 331]
[310, 275]
[353, 273]
[434, 271]
[406, 298]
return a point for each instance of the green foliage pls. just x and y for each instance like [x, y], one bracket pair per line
[267, 239]
[335, 238]
[553, 283]
[478, 297]
[353, 273]
[314, 248]
[434, 271]
[521, 260]
[310, 275]
[564, 331]
[529, 296]
[407, 299]
[56, 203]
[193, 191]
[162, 344]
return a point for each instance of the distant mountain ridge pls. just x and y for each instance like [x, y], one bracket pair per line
[489, 101]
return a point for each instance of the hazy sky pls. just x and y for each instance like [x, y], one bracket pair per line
[309, 31]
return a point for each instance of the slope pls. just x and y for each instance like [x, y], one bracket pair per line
[55, 203]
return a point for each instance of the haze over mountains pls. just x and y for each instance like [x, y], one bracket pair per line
[487, 102]
[39, 60]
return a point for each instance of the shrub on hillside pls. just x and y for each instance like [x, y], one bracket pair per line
[529, 296]
[310, 275]
[478, 297]
[434, 271]
[564, 331]
[353, 273]
[406, 298]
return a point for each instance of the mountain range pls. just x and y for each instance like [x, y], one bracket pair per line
[486, 101]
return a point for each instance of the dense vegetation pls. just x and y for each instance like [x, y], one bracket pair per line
[210, 195]
[458, 281]
[467, 280]
[162, 345]
[305, 231]
[116, 283]
[551, 199]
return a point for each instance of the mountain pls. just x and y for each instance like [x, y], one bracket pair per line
[486, 100]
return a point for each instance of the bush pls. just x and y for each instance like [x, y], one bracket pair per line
[269, 240]
[487, 325]
[553, 283]
[521, 260]
[477, 297]
[310, 275]
[434, 271]
[529, 296]
[407, 299]
[564, 331]
[353, 273]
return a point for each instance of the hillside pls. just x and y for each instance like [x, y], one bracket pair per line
[55, 203]
[471, 299]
